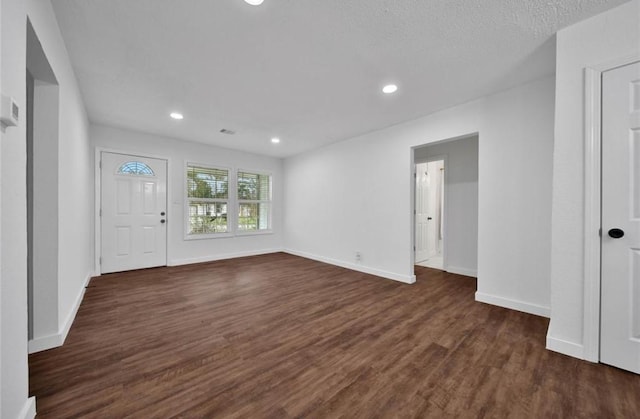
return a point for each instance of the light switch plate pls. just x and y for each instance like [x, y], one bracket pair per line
[9, 111]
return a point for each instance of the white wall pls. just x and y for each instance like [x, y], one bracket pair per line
[75, 183]
[595, 41]
[177, 152]
[45, 249]
[355, 195]
[461, 189]
[13, 223]
[75, 179]
[2, 391]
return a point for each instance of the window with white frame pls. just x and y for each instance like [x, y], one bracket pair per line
[208, 200]
[254, 201]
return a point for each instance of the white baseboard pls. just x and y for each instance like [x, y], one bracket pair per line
[212, 258]
[42, 343]
[565, 347]
[462, 271]
[523, 306]
[68, 322]
[29, 409]
[407, 279]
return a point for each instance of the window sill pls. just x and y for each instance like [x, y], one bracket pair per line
[190, 237]
[253, 233]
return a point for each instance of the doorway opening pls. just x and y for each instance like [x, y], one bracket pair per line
[42, 196]
[610, 277]
[429, 219]
[445, 205]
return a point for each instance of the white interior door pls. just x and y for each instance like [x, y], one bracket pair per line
[422, 226]
[133, 212]
[620, 300]
[432, 208]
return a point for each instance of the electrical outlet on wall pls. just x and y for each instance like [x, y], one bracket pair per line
[358, 256]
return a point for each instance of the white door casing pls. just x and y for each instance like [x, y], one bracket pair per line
[620, 282]
[133, 207]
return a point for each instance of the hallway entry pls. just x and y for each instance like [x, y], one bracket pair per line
[445, 205]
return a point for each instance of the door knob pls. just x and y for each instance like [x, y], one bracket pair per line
[162, 213]
[163, 221]
[616, 233]
[429, 218]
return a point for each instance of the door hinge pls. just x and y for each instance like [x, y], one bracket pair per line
[100, 164]
[100, 260]
[101, 212]
[600, 232]
[414, 248]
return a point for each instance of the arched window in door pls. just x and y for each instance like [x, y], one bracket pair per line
[135, 168]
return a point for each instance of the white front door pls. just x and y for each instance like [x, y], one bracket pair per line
[620, 304]
[133, 212]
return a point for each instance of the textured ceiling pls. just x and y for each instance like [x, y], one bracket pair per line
[309, 72]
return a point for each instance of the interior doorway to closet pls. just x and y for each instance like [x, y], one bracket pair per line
[429, 213]
[445, 235]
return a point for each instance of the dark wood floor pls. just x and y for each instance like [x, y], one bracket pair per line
[278, 336]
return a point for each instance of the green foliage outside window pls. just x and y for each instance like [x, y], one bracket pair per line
[208, 200]
[208, 194]
[254, 201]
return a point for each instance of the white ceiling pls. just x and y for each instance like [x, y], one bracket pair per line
[309, 72]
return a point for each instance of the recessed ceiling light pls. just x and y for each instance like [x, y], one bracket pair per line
[275, 140]
[390, 88]
[176, 115]
[254, 2]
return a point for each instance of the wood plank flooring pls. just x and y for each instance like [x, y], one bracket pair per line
[278, 336]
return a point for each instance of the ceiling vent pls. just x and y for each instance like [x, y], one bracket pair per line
[227, 131]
